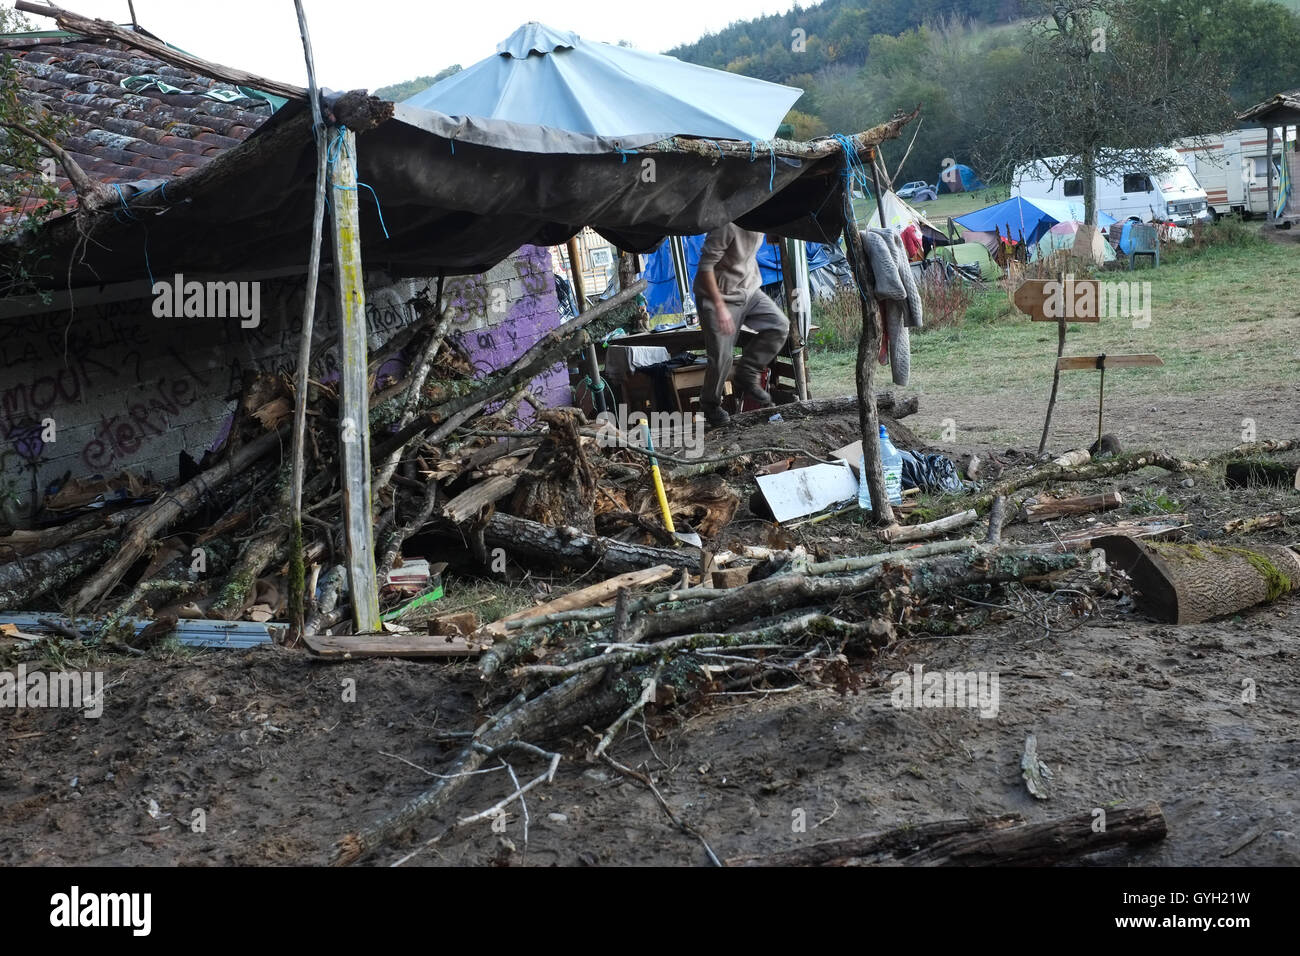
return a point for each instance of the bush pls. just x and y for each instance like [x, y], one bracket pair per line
[944, 300]
[1230, 232]
[839, 321]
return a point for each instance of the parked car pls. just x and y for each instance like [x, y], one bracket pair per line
[920, 191]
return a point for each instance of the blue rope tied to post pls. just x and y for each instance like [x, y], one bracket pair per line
[117, 213]
[331, 156]
[855, 173]
[771, 149]
[625, 153]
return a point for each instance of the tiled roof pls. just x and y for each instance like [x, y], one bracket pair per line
[122, 137]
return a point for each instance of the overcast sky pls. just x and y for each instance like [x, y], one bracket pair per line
[371, 43]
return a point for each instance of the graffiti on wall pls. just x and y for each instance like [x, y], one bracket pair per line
[119, 380]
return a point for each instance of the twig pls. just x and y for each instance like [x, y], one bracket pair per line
[677, 821]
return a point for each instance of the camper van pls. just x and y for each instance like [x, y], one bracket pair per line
[1232, 169]
[1173, 196]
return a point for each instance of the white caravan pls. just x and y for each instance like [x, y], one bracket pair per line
[1232, 169]
[1173, 196]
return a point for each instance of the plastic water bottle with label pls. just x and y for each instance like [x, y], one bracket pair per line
[891, 462]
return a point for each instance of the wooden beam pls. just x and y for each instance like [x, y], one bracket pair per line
[104, 29]
[354, 411]
[1140, 360]
[413, 646]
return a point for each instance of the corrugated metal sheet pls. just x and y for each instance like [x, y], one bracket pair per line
[233, 635]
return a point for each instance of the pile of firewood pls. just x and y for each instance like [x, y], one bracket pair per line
[220, 543]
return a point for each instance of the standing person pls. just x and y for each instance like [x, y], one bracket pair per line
[728, 295]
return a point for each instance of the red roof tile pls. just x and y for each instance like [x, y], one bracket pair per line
[118, 136]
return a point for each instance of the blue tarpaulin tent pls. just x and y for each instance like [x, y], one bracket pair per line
[1030, 217]
[543, 77]
[661, 292]
[959, 179]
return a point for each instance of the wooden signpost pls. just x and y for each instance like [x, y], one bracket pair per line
[1101, 363]
[1064, 300]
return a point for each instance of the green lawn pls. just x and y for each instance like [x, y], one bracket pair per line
[1225, 318]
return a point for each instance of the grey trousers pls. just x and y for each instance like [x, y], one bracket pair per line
[771, 328]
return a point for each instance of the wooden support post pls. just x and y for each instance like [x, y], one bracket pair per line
[1268, 214]
[796, 301]
[590, 357]
[354, 412]
[297, 575]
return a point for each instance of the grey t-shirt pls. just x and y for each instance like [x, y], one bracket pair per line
[729, 252]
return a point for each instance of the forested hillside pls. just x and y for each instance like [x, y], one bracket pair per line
[860, 60]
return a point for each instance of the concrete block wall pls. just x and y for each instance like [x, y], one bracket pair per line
[129, 391]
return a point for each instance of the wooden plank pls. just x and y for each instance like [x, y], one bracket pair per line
[1044, 300]
[354, 411]
[352, 647]
[586, 597]
[1139, 360]
[472, 500]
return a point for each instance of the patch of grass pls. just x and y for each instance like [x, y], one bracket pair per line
[1222, 316]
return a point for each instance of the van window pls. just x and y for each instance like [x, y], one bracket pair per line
[1261, 166]
[1074, 187]
[1136, 183]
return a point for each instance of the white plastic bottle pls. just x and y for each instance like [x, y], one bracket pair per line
[891, 462]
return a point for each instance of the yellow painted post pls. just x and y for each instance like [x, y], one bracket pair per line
[354, 415]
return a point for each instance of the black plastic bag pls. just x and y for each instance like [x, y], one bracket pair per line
[930, 473]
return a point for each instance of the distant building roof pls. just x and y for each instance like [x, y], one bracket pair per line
[143, 133]
[1280, 108]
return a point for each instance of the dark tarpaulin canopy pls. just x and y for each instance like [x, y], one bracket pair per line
[448, 204]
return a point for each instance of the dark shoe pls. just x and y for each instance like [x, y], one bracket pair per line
[752, 390]
[715, 415]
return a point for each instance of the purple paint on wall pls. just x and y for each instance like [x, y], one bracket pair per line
[497, 345]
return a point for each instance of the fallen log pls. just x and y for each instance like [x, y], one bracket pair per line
[166, 511]
[1268, 446]
[524, 539]
[1096, 469]
[891, 843]
[545, 614]
[25, 579]
[783, 592]
[888, 403]
[930, 529]
[1189, 583]
[1046, 844]
[1049, 509]
[1273, 519]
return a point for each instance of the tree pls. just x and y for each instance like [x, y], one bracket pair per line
[29, 156]
[408, 88]
[1254, 40]
[1097, 98]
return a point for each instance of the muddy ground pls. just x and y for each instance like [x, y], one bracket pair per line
[281, 765]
